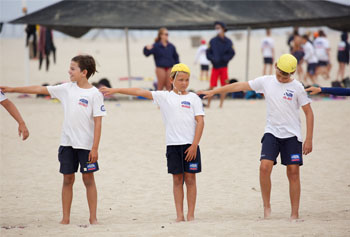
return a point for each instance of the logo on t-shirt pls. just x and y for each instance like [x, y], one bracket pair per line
[288, 95]
[185, 104]
[295, 157]
[103, 108]
[84, 102]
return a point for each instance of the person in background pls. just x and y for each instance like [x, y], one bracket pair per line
[343, 55]
[310, 58]
[203, 61]
[220, 52]
[268, 51]
[322, 50]
[165, 56]
[298, 53]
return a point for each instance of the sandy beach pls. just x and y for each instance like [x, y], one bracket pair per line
[134, 189]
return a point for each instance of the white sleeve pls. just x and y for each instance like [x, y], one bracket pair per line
[2, 96]
[257, 84]
[98, 107]
[59, 91]
[158, 97]
[197, 106]
[303, 98]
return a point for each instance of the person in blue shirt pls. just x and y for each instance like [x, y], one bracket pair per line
[165, 56]
[220, 52]
[329, 90]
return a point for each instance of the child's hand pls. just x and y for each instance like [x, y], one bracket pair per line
[93, 156]
[207, 94]
[6, 89]
[23, 131]
[191, 153]
[313, 90]
[307, 147]
[106, 91]
[149, 47]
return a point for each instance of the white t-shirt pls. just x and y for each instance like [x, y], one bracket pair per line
[321, 45]
[179, 113]
[267, 45]
[310, 55]
[2, 96]
[201, 55]
[80, 107]
[283, 102]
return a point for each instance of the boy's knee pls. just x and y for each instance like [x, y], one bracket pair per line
[190, 179]
[293, 173]
[88, 179]
[178, 179]
[68, 179]
[265, 168]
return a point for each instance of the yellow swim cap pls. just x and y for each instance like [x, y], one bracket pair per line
[181, 67]
[287, 63]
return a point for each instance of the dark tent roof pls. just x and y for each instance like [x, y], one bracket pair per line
[76, 17]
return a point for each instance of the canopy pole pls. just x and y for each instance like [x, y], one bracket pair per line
[128, 57]
[247, 55]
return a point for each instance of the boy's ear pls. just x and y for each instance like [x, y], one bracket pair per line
[85, 72]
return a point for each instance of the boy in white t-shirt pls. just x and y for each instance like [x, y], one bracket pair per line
[83, 111]
[284, 96]
[183, 117]
[322, 51]
[201, 56]
[13, 111]
[267, 50]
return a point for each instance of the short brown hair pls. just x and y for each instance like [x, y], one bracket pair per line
[86, 62]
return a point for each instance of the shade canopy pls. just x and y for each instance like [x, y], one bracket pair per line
[77, 17]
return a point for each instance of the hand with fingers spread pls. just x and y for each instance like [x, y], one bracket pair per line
[6, 89]
[313, 90]
[191, 153]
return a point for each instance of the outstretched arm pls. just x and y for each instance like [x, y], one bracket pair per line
[191, 152]
[234, 87]
[127, 91]
[13, 111]
[26, 89]
[307, 147]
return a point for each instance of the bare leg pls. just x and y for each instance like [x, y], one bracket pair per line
[67, 196]
[270, 71]
[190, 180]
[167, 80]
[206, 74]
[264, 69]
[209, 99]
[178, 196]
[91, 194]
[222, 98]
[201, 76]
[294, 189]
[160, 72]
[341, 71]
[265, 185]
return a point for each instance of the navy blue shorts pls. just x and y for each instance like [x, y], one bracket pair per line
[299, 55]
[70, 158]
[204, 67]
[311, 68]
[267, 60]
[176, 160]
[322, 63]
[289, 148]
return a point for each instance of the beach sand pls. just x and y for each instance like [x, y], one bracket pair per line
[134, 190]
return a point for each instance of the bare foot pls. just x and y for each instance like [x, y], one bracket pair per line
[267, 212]
[295, 219]
[190, 218]
[93, 221]
[179, 219]
[64, 222]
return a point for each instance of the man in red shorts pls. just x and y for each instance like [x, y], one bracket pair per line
[220, 52]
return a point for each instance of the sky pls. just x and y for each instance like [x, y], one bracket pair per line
[12, 9]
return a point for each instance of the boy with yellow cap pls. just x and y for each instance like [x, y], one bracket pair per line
[183, 116]
[284, 96]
